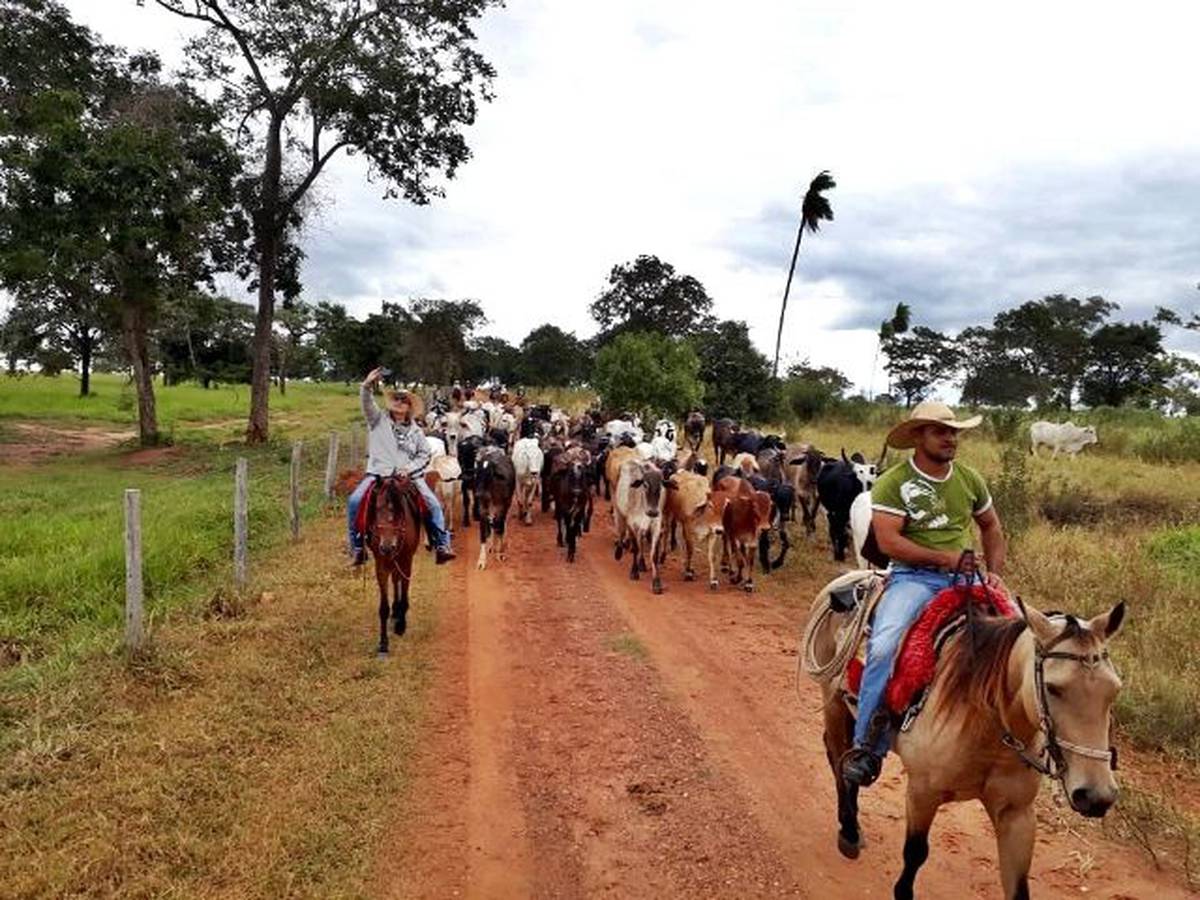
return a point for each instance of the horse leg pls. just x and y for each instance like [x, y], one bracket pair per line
[1014, 826]
[381, 578]
[400, 606]
[920, 810]
[838, 735]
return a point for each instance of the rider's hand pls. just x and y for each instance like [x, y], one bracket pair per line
[373, 375]
[995, 582]
[951, 560]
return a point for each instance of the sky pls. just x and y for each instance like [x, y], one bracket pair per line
[983, 157]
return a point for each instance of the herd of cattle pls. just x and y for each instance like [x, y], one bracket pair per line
[662, 493]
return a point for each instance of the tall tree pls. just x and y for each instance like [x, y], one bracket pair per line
[888, 329]
[493, 359]
[810, 391]
[814, 208]
[736, 376]
[917, 361]
[1126, 364]
[647, 295]
[990, 376]
[551, 357]
[1049, 338]
[395, 81]
[438, 338]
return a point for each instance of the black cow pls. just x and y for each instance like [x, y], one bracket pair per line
[571, 484]
[754, 443]
[837, 486]
[468, 450]
[783, 502]
[495, 483]
[693, 430]
[724, 431]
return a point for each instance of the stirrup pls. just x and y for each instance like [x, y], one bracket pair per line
[863, 764]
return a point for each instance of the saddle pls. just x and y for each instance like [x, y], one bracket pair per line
[362, 521]
[916, 662]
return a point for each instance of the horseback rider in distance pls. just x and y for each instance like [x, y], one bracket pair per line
[396, 445]
[921, 517]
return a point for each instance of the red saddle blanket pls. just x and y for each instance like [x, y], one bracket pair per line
[360, 520]
[917, 660]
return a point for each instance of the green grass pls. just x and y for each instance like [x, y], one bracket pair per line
[627, 644]
[113, 400]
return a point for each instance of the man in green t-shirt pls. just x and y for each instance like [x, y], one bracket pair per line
[922, 510]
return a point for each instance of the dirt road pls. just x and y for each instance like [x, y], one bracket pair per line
[587, 737]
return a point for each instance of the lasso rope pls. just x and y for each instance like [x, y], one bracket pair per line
[822, 610]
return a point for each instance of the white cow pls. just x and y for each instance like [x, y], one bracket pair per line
[437, 447]
[527, 459]
[637, 508]
[860, 524]
[618, 428]
[1068, 437]
[444, 475]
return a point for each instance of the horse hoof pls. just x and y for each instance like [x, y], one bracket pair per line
[848, 848]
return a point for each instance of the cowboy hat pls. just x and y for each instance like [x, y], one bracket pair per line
[412, 398]
[928, 412]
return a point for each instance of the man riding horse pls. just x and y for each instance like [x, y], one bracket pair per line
[921, 518]
[396, 445]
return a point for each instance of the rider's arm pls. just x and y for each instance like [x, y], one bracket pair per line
[421, 455]
[995, 549]
[370, 410]
[891, 541]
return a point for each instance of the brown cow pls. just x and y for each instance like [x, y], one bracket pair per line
[745, 518]
[685, 506]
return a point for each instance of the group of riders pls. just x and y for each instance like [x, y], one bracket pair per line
[922, 515]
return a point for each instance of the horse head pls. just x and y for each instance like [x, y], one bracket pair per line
[1075, 685]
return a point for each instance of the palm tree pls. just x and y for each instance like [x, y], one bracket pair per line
[814, 208]
[888, 329]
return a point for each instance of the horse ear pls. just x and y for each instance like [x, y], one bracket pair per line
[1108, 623]
[1043, 629]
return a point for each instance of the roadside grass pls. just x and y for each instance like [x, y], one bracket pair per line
[179, 406]
[250, 757]
[627, 644]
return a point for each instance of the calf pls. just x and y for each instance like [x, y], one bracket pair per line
[724, 432]
[527, 461]
[745, 517]
[686, 501]
[783, 503]
[444, 476]
[468, 451]
[1067, 437]
[693, 430]
[495, 484]
[805, 464]
[637, 508]
[571, 484]
[838, 483]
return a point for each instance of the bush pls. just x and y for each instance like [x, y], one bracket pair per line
[1171, 441]
[648, 373]
[1010, 492]
[1006, 425]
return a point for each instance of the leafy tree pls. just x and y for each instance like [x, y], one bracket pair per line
[126, 188]
[493, 359]
[813, 209]
[990, 376]
[736, 377]
[301, 80]
[648, 373]
[437, 339]
[1126, 364]
[888, 329]
[917, 361]
[205, 337]
[647, 295]
[296, 322]
[1049, 339]
[551, 357]
[811, 391]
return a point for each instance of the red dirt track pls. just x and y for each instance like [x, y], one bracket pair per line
[586, 737]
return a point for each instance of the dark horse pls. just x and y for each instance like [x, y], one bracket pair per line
[394, 529]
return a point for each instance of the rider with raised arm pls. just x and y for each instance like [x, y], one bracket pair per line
[396, 445]
[922, 512]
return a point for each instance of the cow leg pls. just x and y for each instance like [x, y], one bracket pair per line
[558, 526]
[689, 549]
[381, 578]
[784, 545]
[572, 533]
[484, 536]
[748, 587]
[467, 495]
[501, 527]
[655, 536]
[713, 584]
[764, 549]
[634, 569]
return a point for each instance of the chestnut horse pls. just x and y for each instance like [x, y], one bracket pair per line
[394, 529]
[1011, 700]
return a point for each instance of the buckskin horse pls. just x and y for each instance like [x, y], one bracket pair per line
[394, 532]
[1011, 699]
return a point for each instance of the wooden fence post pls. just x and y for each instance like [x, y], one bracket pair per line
[331, 465]
[240, 524]
[296, 450]
[133, 569]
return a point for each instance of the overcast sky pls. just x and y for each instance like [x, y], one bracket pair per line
[983, 158]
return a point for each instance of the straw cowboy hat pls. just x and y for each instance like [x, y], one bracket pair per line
[929, 412]
[412, 398]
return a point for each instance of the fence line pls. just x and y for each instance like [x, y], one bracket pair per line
[331, 465]
[133, 569]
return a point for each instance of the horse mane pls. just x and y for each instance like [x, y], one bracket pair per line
[976, 663]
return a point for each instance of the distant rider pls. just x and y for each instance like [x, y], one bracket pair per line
[922, 511]
[396, 445]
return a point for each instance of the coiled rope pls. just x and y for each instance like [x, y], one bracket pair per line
[822, 610]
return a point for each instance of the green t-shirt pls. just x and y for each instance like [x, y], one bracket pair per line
[937, 514]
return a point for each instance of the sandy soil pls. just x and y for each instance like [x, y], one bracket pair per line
[33, 442]
[587, 738]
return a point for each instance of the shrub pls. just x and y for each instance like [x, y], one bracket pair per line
[1006, 425]
[648, 373]
[1010, 492]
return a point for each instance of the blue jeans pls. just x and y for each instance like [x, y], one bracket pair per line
[435, 521]
[908, 592]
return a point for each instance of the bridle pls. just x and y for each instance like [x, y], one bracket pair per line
[1052, 760]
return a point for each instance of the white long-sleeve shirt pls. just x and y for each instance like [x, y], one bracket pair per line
[392, 447]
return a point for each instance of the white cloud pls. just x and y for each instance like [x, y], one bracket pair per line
[665, 127]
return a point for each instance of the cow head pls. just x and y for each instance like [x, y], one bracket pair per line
[1089, 435]
[652, 483]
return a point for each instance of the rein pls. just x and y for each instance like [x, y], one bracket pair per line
[1052, 761]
